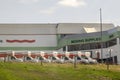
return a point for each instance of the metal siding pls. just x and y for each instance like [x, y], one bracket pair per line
[77, 28]
[40, 41]
[27, 29]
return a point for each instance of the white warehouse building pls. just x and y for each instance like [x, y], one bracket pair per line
[85, 37]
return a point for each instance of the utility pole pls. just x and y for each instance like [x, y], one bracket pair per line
[101, 35]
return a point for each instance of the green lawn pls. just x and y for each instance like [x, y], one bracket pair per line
[34, 71]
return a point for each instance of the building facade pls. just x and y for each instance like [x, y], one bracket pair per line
[85, 37]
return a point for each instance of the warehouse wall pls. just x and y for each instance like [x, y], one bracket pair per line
[28, 41]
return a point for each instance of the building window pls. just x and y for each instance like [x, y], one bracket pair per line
[112, 42]
[89, 46]
[119, 40]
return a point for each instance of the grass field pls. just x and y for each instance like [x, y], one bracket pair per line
[34, 71]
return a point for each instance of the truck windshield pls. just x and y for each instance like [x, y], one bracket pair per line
[28, 58]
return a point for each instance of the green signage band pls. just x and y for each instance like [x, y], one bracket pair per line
[86, 40]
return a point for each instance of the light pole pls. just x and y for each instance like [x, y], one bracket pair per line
[101, 35]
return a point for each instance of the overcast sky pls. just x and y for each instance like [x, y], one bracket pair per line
[59, 11]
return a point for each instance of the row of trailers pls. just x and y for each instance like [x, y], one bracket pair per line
[47, 57]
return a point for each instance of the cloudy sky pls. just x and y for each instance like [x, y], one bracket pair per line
[59, 11]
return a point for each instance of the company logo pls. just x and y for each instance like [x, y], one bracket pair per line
[20, 41]
[86, 40]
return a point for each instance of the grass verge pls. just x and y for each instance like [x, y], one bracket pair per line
[53, 71]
